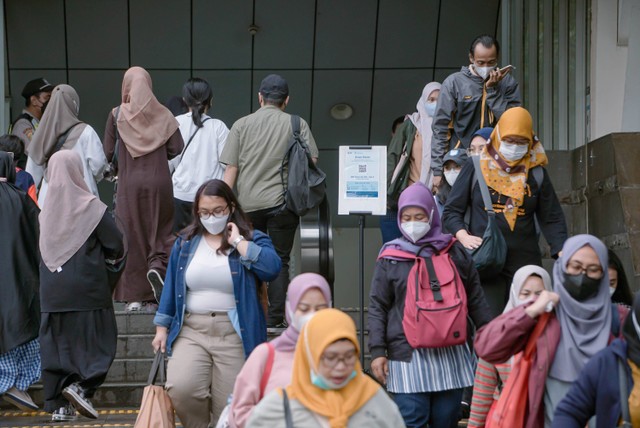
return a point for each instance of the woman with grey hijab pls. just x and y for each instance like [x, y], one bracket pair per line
[61, 129]
[579, 327]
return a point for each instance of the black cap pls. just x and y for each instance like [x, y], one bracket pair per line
[459, 156]
[274, 87]
[36, 86]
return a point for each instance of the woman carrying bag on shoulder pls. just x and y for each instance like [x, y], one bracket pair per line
[210, 317]
[519, 193]
[558, 342]
[425, 379]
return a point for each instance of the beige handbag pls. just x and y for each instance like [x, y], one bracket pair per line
[156, 410]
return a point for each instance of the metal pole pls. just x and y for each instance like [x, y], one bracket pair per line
[361, 287]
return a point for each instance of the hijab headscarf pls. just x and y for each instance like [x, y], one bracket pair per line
[422, 121]
[418, 195]
[298, 286]
[143, 122]
[7, 170]
[631, 332]
[519, 278]
[68, 198]
[585, 325]
[325, 328]
[59, 117]
[509, 178]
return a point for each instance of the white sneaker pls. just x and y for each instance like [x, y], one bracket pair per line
[21, 399]
[64, 414]
[133, 306]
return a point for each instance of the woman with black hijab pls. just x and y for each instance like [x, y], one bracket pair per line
[598, 390]
[78, 332]
[618, 284]
[19, 302]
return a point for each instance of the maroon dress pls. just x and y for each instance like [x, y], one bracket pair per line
[144, 209]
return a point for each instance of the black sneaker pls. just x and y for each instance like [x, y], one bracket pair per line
[157, 283]
[75, 394]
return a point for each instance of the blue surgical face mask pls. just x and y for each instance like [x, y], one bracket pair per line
[323, 383]
[430, 107]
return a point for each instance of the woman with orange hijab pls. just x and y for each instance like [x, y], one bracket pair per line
[328, 387]
[142, 135]
[521, 194]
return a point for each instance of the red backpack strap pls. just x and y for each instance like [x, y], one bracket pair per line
[390, 252]
[266, 374]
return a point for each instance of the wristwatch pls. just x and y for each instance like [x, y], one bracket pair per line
[236, 241]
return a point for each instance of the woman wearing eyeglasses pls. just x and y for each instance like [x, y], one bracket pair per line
[210, 317]
[579, 327]
[328, 388]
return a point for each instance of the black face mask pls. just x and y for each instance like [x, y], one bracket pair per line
[44, 106]
[581, 287]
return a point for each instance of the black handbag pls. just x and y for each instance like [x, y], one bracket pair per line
[489, 257]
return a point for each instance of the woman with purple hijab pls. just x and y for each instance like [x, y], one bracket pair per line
[307, 294]
[426, 383]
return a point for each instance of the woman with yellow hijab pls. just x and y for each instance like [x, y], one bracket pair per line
[328, 387]
[521, 194]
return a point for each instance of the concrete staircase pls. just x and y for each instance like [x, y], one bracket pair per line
[130, 369]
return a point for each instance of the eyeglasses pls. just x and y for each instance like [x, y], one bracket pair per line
[217, 213]
[592, 271]
[333, 360]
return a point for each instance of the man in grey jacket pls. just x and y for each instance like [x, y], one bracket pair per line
[474, 97]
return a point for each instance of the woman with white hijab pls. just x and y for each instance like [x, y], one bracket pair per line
[528, 283]
[409, 157]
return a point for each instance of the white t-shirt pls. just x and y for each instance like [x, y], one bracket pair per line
[94, 163]
[200, 161]
[209, 282]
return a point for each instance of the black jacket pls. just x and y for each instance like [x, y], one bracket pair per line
[386, 303]
[19, 301]
[82, 284]
[522, 243]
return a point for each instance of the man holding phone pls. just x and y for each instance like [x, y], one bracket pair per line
[470, 99]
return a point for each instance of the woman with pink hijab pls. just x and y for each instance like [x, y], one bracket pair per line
[141, 135]
[270, 365]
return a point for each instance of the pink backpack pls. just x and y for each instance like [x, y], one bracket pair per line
[435, 308]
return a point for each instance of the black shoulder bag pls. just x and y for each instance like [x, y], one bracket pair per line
[489, 257]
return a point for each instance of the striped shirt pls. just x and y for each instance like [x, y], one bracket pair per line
[432, 370]
[486, 389]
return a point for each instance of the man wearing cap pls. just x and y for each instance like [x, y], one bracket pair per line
[36, 94]
[253, 153]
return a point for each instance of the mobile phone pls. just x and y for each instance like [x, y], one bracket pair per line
[507, 68]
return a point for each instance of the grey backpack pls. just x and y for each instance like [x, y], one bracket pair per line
[305, 186]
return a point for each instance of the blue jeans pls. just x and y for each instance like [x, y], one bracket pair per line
[433, 409]
[389, 226]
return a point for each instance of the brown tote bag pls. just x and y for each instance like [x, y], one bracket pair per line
[156, 410]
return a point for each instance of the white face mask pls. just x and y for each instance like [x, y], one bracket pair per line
[483, 71]
[416, 229]
[214, 225]
[430, 107]
[451, 176]
[513, 152]
[611, 291]
[299, 321]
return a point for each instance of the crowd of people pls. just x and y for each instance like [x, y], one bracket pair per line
[460, 309]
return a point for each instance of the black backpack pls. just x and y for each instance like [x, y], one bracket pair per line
[305, 187]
